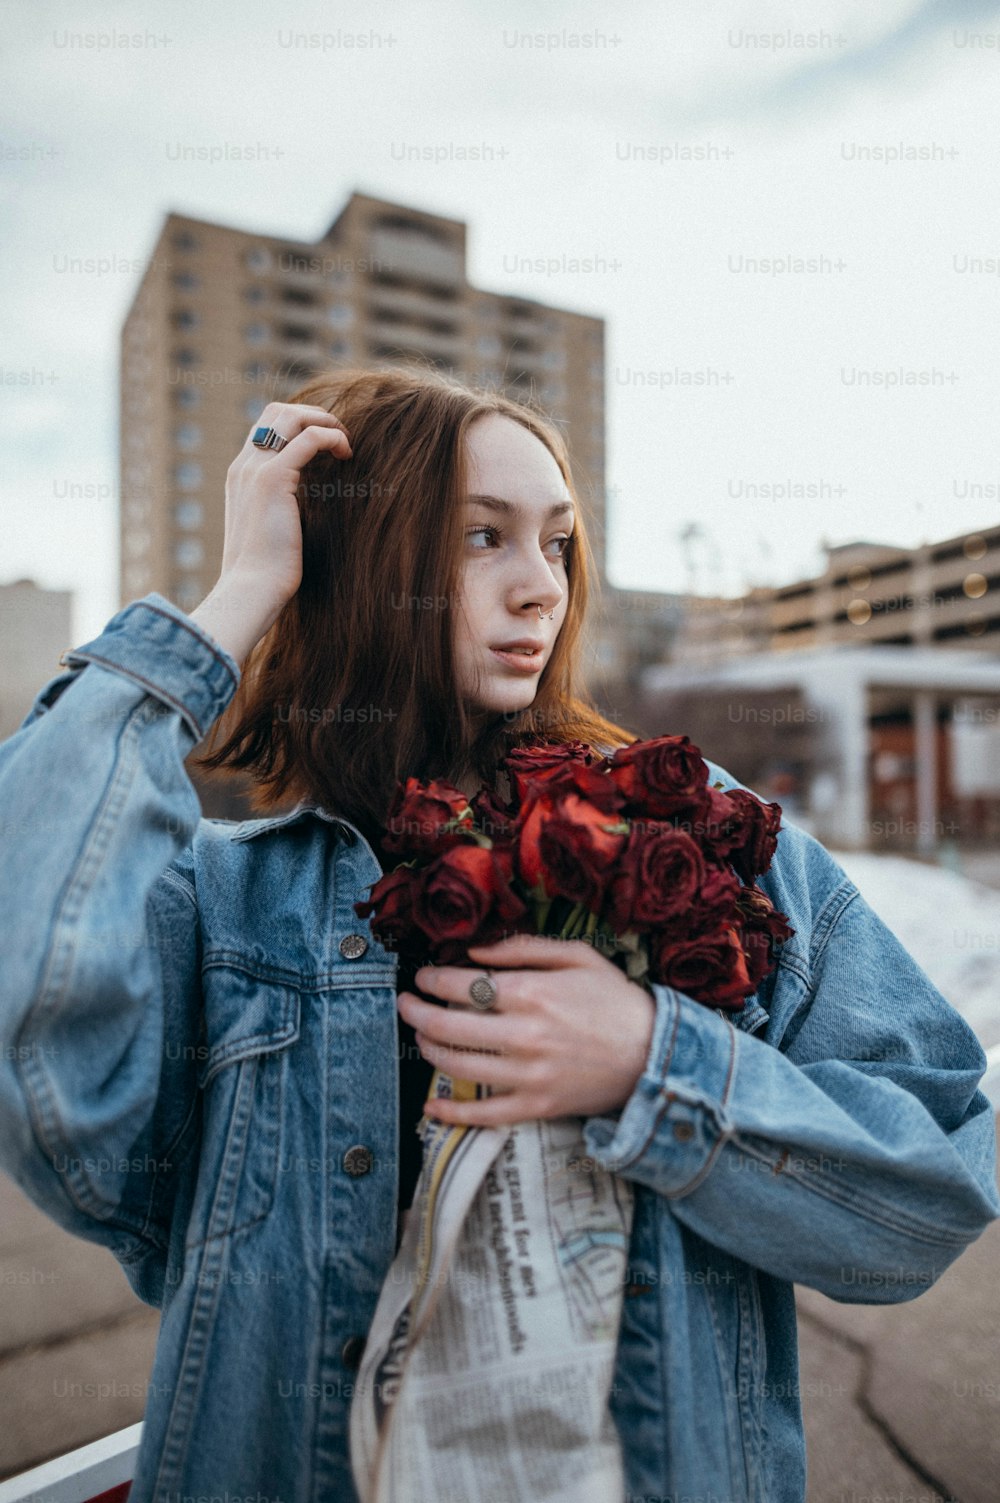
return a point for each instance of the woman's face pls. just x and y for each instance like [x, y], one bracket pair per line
[517, 517]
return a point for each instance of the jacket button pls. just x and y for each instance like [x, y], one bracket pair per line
[352, 1350]
[353, 946]
[357, 1160]
[683, 1131]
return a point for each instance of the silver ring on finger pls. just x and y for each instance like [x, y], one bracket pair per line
[483, 993]
[267, 438]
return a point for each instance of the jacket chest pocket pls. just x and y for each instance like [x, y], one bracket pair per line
[250, 1024]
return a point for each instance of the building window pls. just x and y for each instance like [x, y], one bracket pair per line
[554, 360]
[188, 515]
[252, 408]
[258, 259]
[256, 333]
[187, 475]
[338, 347]
[300, 296]
[183, 240]
[254, 293]
[187, 396]
[137, 543]
[188, 594]
[488, 345]
[186, 281]
[340, 315]
[188, 553]
[187, 436]
[186, 357]
[296, 333]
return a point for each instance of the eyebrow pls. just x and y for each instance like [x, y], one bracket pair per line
[510, 508]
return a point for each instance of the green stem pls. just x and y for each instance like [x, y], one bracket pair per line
[574, 921]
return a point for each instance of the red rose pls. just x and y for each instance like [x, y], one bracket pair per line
[463, 898]
[416, 822]
[713, 906]
[762, 928]
[743, 829]
[657, 877]
[491, 816]
[568, 845]
[537, 760]
[710, 968]
[391, 903]
[662, 778]
[577, 778]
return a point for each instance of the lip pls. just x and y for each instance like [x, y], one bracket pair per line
[523, 662]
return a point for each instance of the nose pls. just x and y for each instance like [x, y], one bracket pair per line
[536, 585]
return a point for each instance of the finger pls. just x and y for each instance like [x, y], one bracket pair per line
[480, 1066]
[538, 951]
[307, 444]
[452, 982]
[292, 423]
[297, 415]
[493, 1111]
[446, 1025]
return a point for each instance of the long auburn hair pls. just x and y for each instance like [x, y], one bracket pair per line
[353, 687]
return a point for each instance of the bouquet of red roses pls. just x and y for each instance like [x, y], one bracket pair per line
[634, 853]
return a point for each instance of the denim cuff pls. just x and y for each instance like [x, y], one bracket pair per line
[154, 643]
[673, 1125]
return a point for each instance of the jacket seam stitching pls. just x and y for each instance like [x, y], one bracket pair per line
[174, 879]
[830, 916]
[192, 632]
[231, 960]
[47, 1129]
[871, 1210]
[156, 689]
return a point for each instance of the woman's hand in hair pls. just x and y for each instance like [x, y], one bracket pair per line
[262, 551]
[569, 1034]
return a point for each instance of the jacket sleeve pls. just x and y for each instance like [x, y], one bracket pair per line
[100, 995]
[849, 1147]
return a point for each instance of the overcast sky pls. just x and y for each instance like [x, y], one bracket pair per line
[785, 202]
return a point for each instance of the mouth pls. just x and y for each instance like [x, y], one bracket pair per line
[522, 660]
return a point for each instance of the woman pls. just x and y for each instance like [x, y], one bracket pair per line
[200, 1033]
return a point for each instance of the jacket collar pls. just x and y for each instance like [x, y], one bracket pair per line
[250, 828]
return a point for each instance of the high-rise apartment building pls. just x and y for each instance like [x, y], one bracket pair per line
[226, 320]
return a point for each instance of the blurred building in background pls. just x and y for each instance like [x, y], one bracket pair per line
[945, 593]
[866, 700]
[35, 626]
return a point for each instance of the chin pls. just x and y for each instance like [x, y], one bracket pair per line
[510, 705]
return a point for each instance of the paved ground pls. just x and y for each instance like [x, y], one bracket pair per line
[901, 1403]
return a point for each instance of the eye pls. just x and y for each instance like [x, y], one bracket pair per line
[474, 531]
[563, 544]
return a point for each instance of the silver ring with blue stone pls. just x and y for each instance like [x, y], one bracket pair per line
[266, 438]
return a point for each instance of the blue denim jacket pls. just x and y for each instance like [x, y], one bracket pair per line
[199, 1071]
